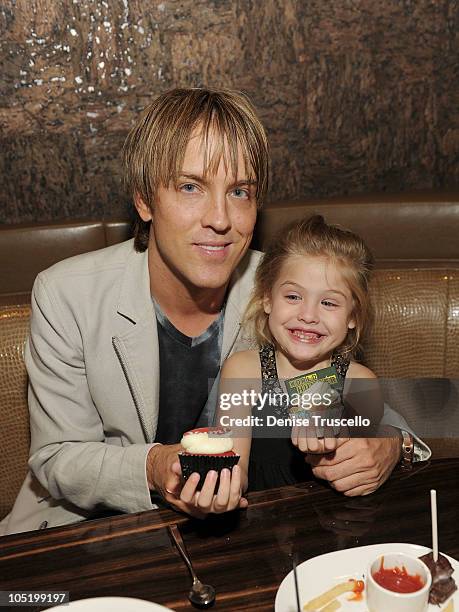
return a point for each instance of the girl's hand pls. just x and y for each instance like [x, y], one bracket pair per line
[208, 500]
[307, 440]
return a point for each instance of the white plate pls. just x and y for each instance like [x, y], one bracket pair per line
[111, 604]
[322, 573]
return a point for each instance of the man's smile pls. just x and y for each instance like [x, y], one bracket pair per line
[214, 250]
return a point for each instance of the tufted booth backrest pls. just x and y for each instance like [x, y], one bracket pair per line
[415, 331]
[14, 417]
[26, 250]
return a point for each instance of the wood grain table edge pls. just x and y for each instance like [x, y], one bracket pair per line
[102, 529]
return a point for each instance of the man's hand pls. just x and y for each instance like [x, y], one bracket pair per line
[164, 475]
[160, 476]
[359, 466]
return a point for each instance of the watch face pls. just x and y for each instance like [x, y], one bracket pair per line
[407, 447]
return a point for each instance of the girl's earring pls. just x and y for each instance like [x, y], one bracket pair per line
[267, 305]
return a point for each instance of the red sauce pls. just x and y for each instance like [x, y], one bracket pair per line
[397, 579]
[358, 591]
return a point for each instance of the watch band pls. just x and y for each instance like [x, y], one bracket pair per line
[407, 448]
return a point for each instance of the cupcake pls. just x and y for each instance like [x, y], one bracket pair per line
[205, 449]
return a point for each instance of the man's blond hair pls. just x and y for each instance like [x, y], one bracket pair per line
[154, 150]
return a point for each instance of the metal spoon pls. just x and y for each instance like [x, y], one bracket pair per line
[200, 595]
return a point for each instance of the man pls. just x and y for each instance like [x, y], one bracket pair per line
[124, 340]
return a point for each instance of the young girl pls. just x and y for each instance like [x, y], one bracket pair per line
[308, 311]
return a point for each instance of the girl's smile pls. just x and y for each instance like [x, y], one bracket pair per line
[303, 335]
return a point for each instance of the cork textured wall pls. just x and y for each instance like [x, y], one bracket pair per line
[356, 95]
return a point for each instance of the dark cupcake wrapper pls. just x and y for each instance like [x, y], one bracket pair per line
[204, 463]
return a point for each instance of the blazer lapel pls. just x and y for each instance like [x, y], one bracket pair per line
[137, 349]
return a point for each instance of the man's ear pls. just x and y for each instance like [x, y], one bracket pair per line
[267, 304]
[142, 208]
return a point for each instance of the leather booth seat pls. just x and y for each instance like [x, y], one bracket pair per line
[415, 294]
[26, 250]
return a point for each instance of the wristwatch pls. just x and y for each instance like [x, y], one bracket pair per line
[407, 449]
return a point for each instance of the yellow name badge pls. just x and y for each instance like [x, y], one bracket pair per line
[298, 385]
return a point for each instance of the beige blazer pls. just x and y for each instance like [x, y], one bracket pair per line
[93, 366]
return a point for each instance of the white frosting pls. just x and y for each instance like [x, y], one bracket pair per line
[200, 443]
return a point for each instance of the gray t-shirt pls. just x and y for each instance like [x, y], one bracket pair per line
[187, 369]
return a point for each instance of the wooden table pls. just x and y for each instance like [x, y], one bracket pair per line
[245, 554]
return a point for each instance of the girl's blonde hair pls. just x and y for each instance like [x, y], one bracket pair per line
[313, 237]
